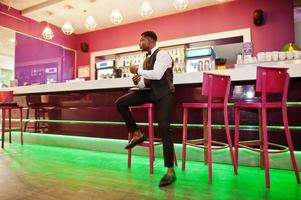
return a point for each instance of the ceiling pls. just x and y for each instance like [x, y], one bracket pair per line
[73, 10]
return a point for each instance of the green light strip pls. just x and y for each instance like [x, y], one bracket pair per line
[289, 104]
[173, 125]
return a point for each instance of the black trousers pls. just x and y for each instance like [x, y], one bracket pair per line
[164, 111]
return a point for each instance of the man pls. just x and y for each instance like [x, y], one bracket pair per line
[157, 75]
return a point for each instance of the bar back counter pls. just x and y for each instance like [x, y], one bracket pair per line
[86, 108]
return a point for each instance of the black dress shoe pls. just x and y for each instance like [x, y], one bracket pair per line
[167, 180]
[135, 141]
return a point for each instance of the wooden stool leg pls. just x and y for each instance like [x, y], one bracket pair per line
[209, 145]
[185, 121]
[289, 143]
[265, 148]
[27, 118]
[151, 140]
[21, 124]
[3, 128]
[36, 118]
[236, 134]
[260, 139]
[229, 138]
[205, 134]
[9, 123]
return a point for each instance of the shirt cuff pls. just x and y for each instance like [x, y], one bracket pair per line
[141, 84]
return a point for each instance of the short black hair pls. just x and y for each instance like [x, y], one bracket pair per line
[150, 34]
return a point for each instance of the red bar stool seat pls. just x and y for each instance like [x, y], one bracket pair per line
[216, 88]
[151, 142]
[268, 81]
[7, 103]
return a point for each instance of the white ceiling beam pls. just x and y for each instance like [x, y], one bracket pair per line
[40, 6]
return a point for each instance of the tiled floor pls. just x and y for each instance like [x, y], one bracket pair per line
[39, 172]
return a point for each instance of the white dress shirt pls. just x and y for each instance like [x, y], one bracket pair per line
[162, 63]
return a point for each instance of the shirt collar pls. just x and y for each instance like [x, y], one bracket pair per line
[153, 50]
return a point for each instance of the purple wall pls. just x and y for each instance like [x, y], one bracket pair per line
[40, 62]
[31, 49]
[68, 60]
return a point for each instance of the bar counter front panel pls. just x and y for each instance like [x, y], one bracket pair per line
[97, 104]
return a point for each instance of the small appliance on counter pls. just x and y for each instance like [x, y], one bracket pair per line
[220, 63]
[105, 69]
[200, 59]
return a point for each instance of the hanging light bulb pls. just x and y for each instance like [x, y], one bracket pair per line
[47, 33]
[146, 9]
[180, 4]
[116, 17]
[90, 23]
[67, 28]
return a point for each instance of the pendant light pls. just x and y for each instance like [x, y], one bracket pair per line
[180, 4]
[146, 9]
[90, 23]
[67, 27]
[47, 33]
[116, 17]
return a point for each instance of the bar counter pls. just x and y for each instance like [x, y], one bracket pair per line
[244, 72]
[78, 108]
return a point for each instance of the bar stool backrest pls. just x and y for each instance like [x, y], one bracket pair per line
[6, 96]
[216, 86]
[272, 80]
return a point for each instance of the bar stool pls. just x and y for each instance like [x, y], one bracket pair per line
[39, 104]
[6, 103]
[215, 87]
[151, 140]
[268, 81]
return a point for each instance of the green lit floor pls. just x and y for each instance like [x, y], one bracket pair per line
[43, 172]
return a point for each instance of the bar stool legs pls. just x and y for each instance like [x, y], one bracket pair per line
[9, 124]
[264, 144]
[3, 128]
[289, 142]
[150, 143]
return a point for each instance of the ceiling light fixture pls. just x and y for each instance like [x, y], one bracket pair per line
[67, 28]
[146, 9]
[90, 23]
[47, 33]
[180, 4]
[116, 17]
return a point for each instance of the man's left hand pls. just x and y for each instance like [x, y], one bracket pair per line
[136, 79]
[133, 69]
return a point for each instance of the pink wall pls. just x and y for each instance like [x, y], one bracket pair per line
[34, 28]
[278, 30]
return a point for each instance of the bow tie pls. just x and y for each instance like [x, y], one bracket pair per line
[148, 53]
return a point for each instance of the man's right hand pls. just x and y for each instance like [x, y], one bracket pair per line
[136, 79]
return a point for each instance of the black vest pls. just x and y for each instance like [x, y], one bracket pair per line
[162, 87]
